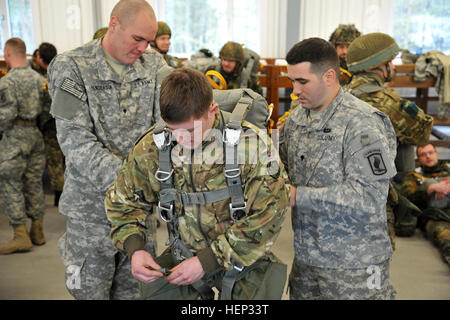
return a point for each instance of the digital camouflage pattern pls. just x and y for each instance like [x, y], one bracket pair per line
[341, 165]
[340, 284]
[99, 115]
[129, 201]
[414, 187]
[436, 64]
[22, 156]
[202, 60]
[411, 124]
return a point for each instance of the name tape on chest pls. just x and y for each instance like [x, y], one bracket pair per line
[72, 87]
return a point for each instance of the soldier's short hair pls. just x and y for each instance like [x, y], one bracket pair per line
[126, 10]
[17, 46]
[319, 52]
[47, 52]
[185, 93]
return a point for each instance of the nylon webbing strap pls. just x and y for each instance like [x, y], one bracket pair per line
[239, 112]
[228, 282]
[245, 74]
[193, 198]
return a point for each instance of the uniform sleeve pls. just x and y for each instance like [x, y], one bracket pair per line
[128, 201]
[75, 129]
[8, 104]
[368, 159]
[283, 146]
[252, 237]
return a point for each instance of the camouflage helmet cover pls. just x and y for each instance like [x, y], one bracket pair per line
[163, 28]
[100, 33]
[345, 33]
[371, 50]
[232, 51]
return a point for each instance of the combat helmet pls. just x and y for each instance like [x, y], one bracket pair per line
[344, 33]
[100, 33]
[232, 51]
[371, 50]
[163, 28]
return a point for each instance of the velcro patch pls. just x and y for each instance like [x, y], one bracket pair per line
[72, 87]
[3, 96]
[376, 162]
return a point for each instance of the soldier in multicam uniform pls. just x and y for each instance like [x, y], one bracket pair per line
[218, 243]
[341, 38]
[22, 156]
[429, 189]
[162, 44]
[231, 67]
[104, 96]
[339, 153]
[369, 58]
[47, 125]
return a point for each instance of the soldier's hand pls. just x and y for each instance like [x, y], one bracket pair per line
[187, 272]
[140, 261]
[441, 189]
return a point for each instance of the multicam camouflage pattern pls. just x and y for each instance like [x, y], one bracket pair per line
[22, 156]
[345, 33]
[88, 272]
[173, 61]
[439, 233]
[436, 64]
[341, 165]
[411, 126]
[99, 116]
[372, 283]
[128, 202]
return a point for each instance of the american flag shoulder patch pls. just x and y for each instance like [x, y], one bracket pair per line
[72, 87]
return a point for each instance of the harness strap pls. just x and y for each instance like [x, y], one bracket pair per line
[193, 198]
[228, 282]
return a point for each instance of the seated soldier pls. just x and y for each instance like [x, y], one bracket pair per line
[233, 69]
[162, 44]
[429, 189]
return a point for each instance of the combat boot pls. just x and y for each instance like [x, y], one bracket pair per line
[20, 242]
[37, 232]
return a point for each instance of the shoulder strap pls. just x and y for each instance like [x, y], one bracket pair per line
[366, 88]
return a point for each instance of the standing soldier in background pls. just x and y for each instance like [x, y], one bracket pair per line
[22, 155]
[341, 38]
[47, 125]
[105, 94]
[233, 69]
[162, 44]
[369, 58]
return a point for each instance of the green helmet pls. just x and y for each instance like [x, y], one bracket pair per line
[232, 51]
[100, 33]
[163, 28]
[345, 33]
[371, 50]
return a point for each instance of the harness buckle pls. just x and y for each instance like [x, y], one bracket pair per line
[162, 140]
[229, 173]
[166, 214]
[238, 213]
[238, 269]
[162, 176]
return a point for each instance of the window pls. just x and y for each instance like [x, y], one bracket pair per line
[16, 21]
[422, 25]
[198, 24]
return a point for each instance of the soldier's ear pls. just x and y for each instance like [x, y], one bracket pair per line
[330, 76]
[114, 23]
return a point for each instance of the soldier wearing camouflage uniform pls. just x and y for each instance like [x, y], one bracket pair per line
[104, 96]
[369, 58]
[339, 154]
[232, 65]
[429, 187]
[47, 125]
[162, 44]
[220, 243]
[341, 38]
[22, 156]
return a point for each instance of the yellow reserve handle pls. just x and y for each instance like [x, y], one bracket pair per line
[223, 83]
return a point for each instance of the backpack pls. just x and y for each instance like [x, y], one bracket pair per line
[412, 125]
[202, 60]
[251, 66]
